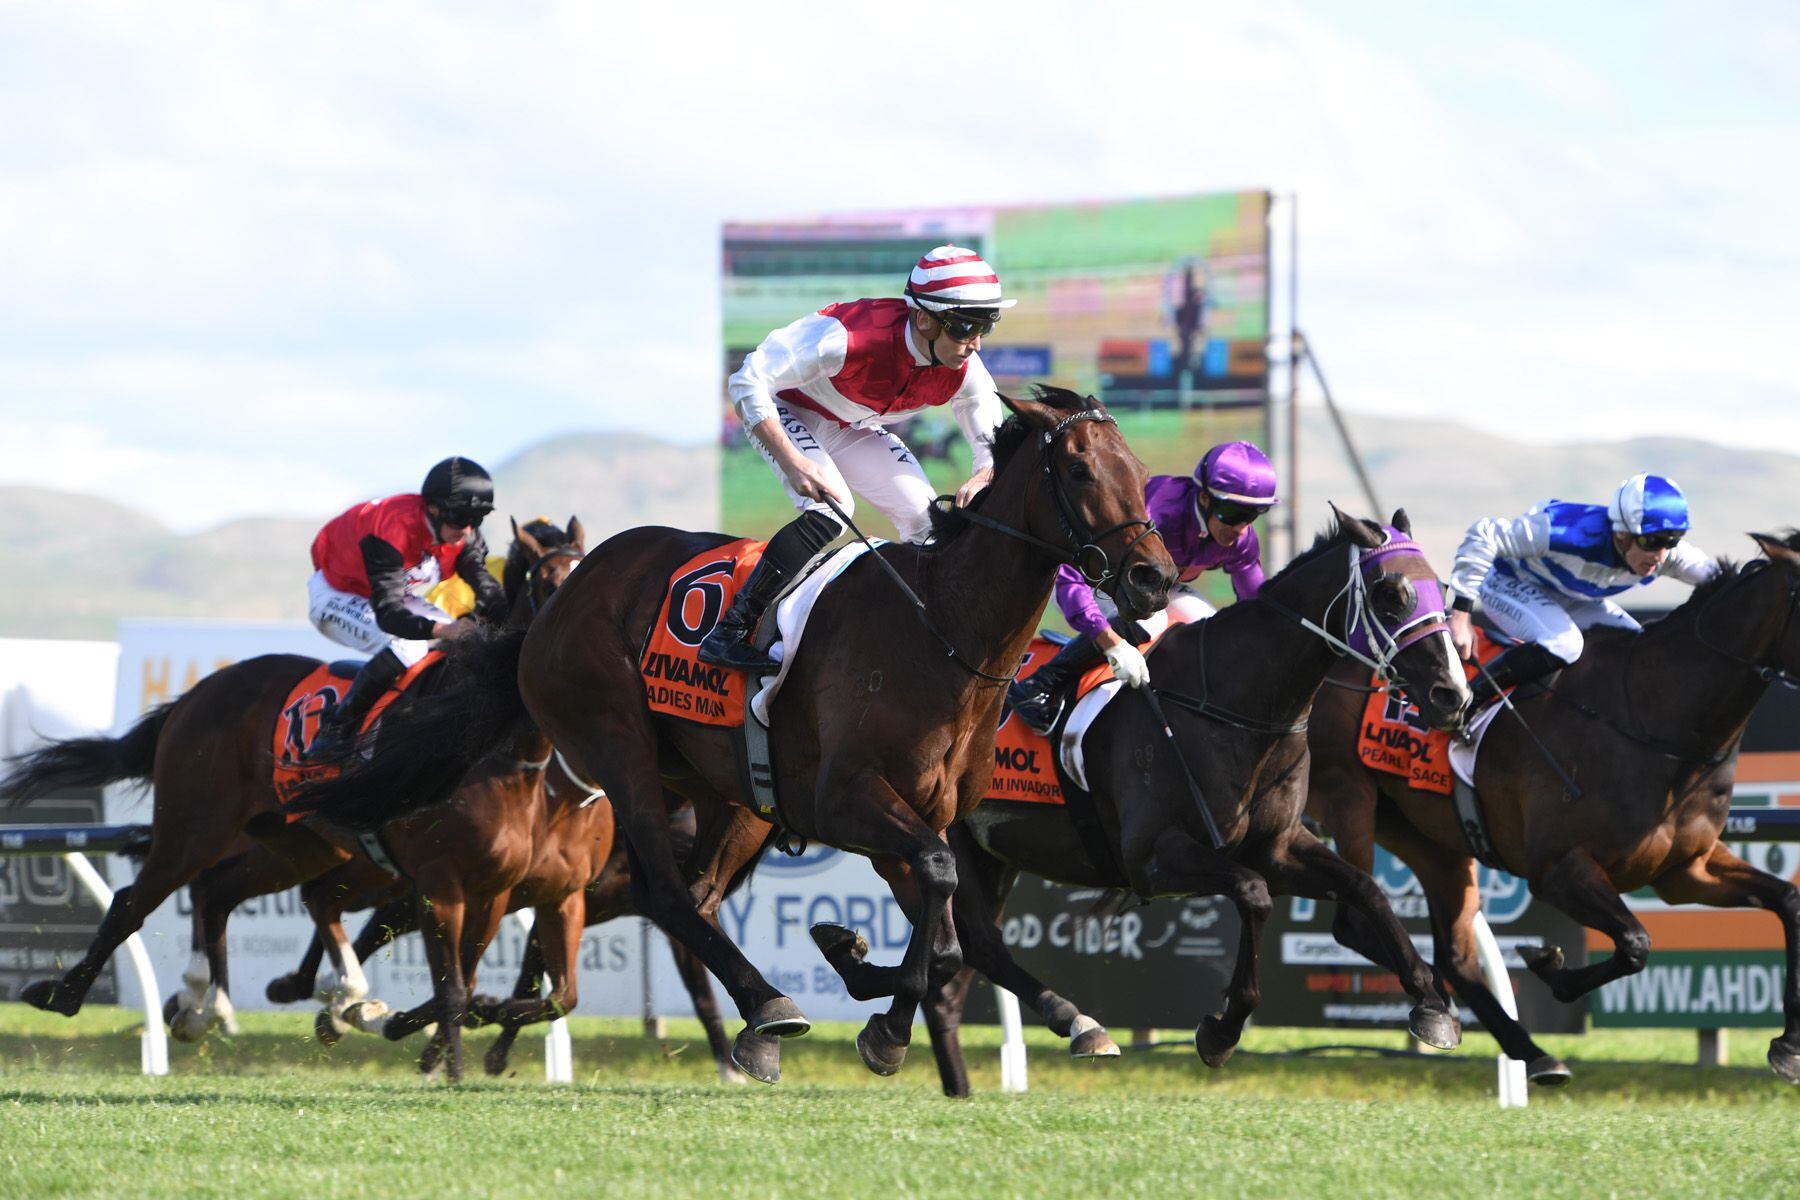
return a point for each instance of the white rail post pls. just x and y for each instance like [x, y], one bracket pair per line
[1012, 1046]
[1493, 971]
[559, 1051]
[156, 1040]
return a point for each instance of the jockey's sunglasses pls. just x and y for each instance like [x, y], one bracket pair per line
[966, 327]
[469, 518]
[1236, 512]
[1658, 541]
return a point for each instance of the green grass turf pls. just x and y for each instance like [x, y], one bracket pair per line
[270, 1113]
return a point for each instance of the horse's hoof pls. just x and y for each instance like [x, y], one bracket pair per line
[1543, 961]
[1784, 1061]
[757, 1056]
[43, 994]
[838, 939]
[880, 1052]
[1547, 1070]
[185, 1024]
[494, 1061]
[328, 1029]
[1213, 1043]
[431, 1056]
[286, 990]
[1436, 1027]
[779, 1017]
[171, 1009]
[1092, 1042]
[483, 1010]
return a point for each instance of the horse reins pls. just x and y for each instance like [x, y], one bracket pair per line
[1075, 556]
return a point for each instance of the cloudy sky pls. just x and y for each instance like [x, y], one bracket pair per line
[271, 258]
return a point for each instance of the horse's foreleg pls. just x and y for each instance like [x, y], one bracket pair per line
[943, 1021]
[299, 983]
[442, 916]
[1306, 867]
[557, 934]
[1177, 865]
[921, 868]
[1576, 884]
[1724, 880]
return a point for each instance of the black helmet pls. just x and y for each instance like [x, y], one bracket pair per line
[461, 488]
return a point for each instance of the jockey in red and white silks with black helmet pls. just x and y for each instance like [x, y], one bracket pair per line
[817, 398]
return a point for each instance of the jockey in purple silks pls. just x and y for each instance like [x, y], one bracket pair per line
[1205, 522]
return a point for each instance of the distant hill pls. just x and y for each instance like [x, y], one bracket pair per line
[75, 564]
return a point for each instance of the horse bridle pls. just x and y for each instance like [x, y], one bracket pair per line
[1764, 672]
[1081, 541]
[531, 573]
[1366, 637]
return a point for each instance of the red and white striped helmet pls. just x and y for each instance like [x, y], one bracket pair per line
[951, 277]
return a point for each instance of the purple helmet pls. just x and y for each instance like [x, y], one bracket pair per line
[1238, 471]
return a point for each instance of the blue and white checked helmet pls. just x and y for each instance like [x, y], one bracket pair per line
[1649, 504]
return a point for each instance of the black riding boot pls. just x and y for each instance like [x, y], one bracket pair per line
[338, 726]
[1038, 699]
[1512, 667]
[784, 558]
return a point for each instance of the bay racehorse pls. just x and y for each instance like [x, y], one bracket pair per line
[1236, 690]
[209, 760]
[882, 736]
[1647, 726]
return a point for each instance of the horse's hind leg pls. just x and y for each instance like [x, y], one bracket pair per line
[1576, 884]
[1306, 867]
[173, 861]
[1724, 880]
[943, 1021]
[299, 983]
[557, 932]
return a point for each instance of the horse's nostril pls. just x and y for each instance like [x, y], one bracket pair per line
[1446, 698]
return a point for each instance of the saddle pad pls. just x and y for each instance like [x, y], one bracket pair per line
[676, 682]
[791, 613]
[298, 722]
[1023, 769]
[1394, 739]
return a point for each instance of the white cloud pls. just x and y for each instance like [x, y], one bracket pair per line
[347, 236]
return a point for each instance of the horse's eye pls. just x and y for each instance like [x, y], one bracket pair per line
[1079, 473]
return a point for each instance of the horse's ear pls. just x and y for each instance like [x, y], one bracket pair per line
[1402, 522]
[1033, 412]
[526, 540]
[577, 535]
[1366, 534]
[1777, 549]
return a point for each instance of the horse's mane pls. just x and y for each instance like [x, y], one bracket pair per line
[548, 534]
[946, 520]
[1729, 573]
[1328, 539]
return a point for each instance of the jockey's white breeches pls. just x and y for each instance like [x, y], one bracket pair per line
[349, 620]
[871, 463]
[1530, 612]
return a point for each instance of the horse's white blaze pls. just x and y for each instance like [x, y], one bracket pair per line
[1452, 664]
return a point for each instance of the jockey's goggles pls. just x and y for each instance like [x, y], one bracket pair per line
[1658, 541]
[470, 517]
[969, 325]
[1236, 512]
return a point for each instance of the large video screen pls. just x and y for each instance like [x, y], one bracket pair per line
[1159, 307]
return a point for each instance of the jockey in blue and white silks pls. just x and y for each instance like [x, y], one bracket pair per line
[1546, 576]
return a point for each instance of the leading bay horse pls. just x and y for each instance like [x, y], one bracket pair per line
[1237, 689]
[883, 734]
[1647, 725]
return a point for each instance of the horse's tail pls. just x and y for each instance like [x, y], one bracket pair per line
[427, 742]
[85, 762]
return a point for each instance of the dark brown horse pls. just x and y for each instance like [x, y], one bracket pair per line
[1237, 689]
[883, 734]
[209, 760]
[1647, 725]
